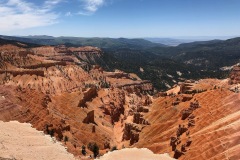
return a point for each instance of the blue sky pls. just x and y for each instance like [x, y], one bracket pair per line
[120, 18]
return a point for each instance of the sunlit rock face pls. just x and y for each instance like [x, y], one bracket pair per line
[58, 91]
[235, 75]
[203, 126]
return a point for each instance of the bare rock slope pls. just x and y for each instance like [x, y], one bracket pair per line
[205, 126]
[59, 92]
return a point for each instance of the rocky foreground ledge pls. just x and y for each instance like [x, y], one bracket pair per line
[135, 154]
[21, 141]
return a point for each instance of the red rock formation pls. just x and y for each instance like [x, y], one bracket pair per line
[89, 118]
[23, 72]
[235, 75]
[63, 99]
[87, 104]
[186, 87]
[131, 132]
[88, 95]
[202, 133]
[45, 65]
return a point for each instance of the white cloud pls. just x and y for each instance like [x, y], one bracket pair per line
[24, 14]
[91, 6]
[20, 14]
[68, 14]
[49, 4]
[20, 5]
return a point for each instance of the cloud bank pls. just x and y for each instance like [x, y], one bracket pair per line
[20, 14]
[24, 14]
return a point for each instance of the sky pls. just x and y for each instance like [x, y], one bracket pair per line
[120, 18]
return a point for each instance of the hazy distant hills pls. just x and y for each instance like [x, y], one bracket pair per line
[185, 40]
[16, 43]
[209, 54]
[167, 65]
[163, 65]
[80, 41]
[169, 41]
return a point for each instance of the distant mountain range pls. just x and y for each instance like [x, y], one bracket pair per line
[181, 40]
[80, 41]
[169, 41]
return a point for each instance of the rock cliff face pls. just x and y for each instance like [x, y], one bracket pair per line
[88, 95]
[235, 75]
[196, 127]
[22, 72]
[58, 91]
[131, 132]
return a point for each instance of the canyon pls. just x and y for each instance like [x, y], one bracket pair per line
[63, 92]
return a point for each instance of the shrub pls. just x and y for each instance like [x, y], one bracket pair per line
[51, 132]
[47, 130]
[65, 139]
[84, 150]
[92, 146]
[114, 148]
